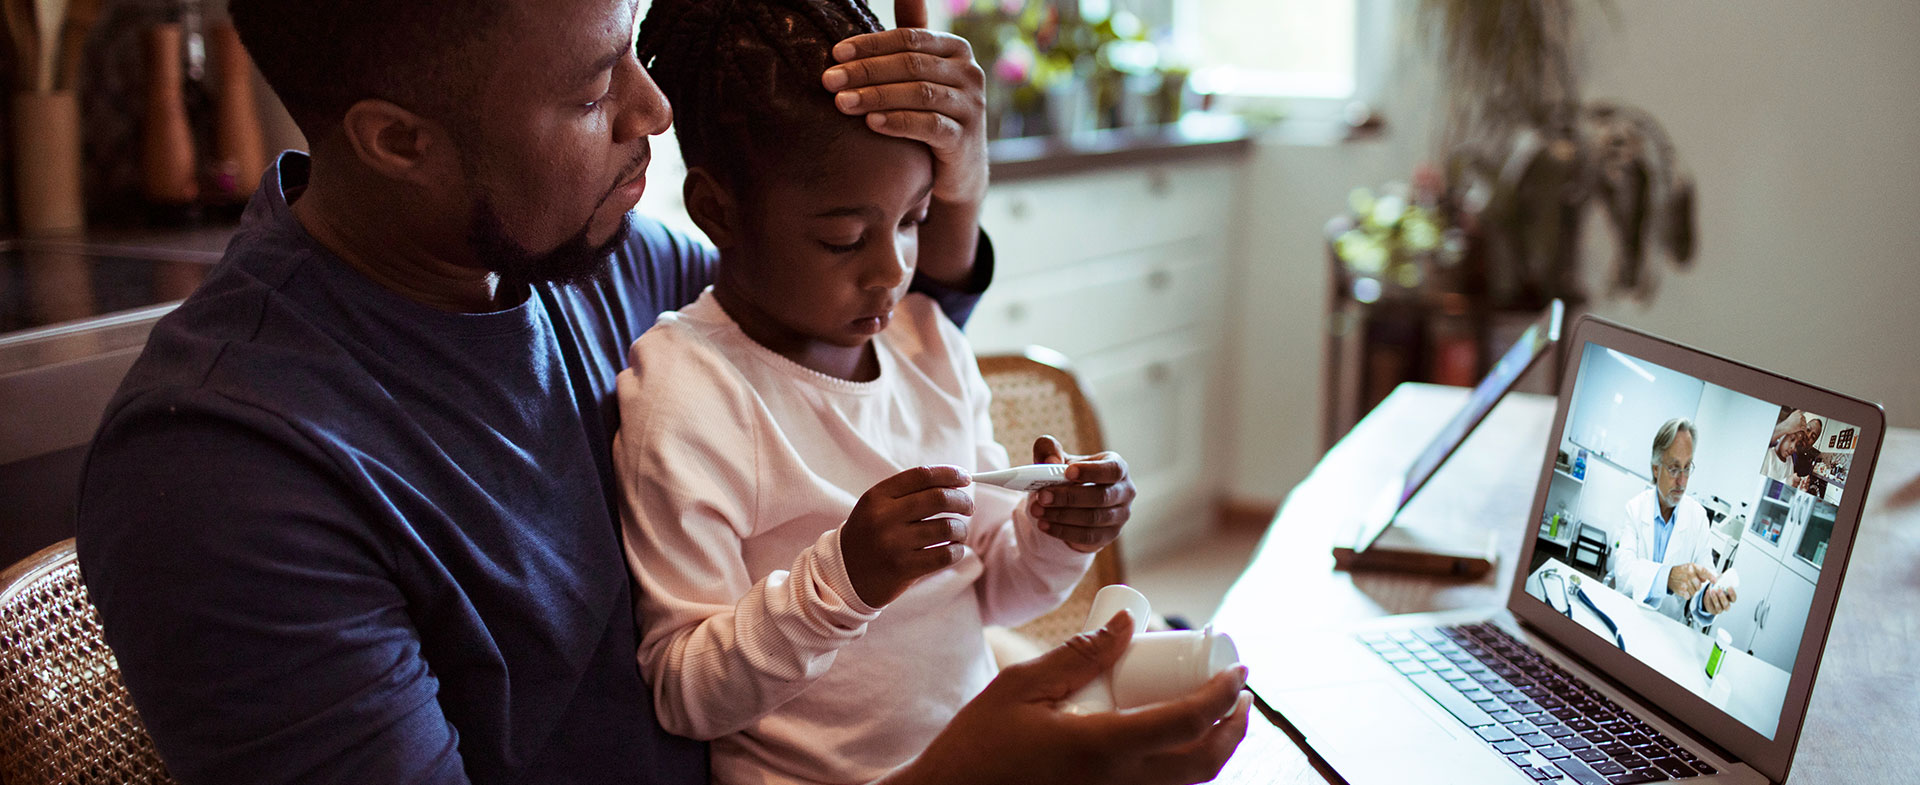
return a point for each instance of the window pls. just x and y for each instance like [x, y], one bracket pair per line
[1305, 59]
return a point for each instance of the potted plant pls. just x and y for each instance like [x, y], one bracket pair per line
[1526, 154]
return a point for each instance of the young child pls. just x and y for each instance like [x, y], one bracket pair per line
[792, 440]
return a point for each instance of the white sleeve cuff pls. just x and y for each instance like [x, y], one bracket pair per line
[1661, 578]
[833, 584]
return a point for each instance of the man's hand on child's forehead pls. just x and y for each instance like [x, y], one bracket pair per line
[910, 13]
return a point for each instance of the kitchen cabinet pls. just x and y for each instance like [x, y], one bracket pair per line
[73, 316]
[1792, 527]
[1125, 269]
[1776, 592]
[1776, 520]
[1783, 619]
[1757, 574]
[1810, 539]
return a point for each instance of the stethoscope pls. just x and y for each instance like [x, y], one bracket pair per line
[1567, 607]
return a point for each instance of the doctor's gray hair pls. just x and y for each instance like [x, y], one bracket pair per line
[1669, 431]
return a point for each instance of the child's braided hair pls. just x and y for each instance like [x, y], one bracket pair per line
[743, 76]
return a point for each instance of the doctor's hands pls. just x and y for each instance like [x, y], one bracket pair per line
[1685, 579]
[1015, 731]
[892, 538]
[1718, 600]
[1087, 513]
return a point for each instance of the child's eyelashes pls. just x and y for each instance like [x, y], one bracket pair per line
[910, 222]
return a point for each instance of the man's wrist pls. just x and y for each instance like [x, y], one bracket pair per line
[950, 242]
[972, 192]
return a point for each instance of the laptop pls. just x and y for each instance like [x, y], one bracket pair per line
[1592, 673]
[1434, 552]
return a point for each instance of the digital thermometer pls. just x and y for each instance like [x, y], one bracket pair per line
[1026, 478]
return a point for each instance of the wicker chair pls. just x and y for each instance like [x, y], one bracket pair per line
[1035, 394]
[65, 717]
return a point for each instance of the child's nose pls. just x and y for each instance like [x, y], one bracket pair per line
[891, 265]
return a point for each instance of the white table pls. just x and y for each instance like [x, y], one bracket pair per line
[1747, 687]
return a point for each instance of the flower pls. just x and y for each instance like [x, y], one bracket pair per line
[1015, 64]
[1395, 236]
[1419, 231]
[1363, 252]
[1387, 210]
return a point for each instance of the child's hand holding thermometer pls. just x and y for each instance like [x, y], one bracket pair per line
[1081, 500]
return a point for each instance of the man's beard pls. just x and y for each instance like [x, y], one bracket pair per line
[575, 261]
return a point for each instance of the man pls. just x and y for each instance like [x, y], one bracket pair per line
[1661, 555]
[349, 517]
[1807, 462]
[1793, 450]
[1809, 447]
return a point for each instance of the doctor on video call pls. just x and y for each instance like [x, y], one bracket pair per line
[1662, 555]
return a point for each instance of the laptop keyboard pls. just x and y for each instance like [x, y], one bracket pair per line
[1546, 721]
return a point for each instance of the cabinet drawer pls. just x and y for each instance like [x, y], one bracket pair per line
[1153, 404]
[1048, 223]
[1165, 520]
[1092, 307]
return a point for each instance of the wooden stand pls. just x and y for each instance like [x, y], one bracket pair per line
[1431, 547]
[1446, 331]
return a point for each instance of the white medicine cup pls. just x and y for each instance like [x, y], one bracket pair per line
[1160, 666]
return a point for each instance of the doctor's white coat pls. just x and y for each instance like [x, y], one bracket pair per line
[1633, 571]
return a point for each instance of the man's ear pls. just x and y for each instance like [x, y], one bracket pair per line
[711, 206]
[397, 143]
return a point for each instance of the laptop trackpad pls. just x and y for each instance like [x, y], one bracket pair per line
[1373, 732]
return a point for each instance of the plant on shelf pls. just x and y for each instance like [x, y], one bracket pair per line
[1526, 155]
[1395, 243]
[1053, 70]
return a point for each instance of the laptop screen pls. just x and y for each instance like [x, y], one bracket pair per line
[1688, 524]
